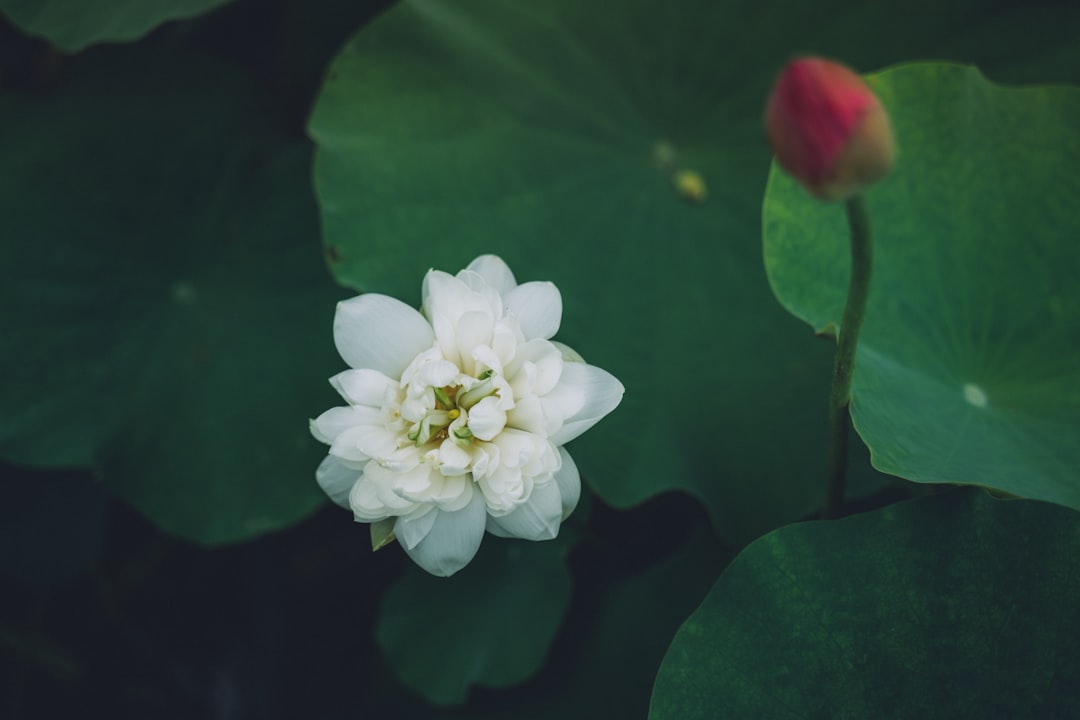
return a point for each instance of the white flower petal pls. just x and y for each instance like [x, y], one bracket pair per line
[445, 295]
[602, 394]
[495, 272]
[365, 503]
[432, 354]
[569, 354]
[516, 447]
[416, 406]
[569, 481]
[380, 333]
[379, 481]
[412, 528]
[337, 479]
[504, 488]
[450, 296]
[426, 485]
[546, 461]
[445, 300]
[536, 519]
[485, 459]
[383, 446]
[486, 359]
[537, 307]
[454, 492]
[486, 419]
[503, 392]
[549, 369]
[436, 374]
[484, 297]
[536, 368]
[473, 329]
[372, 441]
[453, 539]
[505, 338]
[327, 427]
[528, 415]
[564, 401]
[346, 445]
[453, 459]
[532, 454]
[414, 484]
[363, 387]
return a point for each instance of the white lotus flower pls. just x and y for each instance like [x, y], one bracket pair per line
[456, 417]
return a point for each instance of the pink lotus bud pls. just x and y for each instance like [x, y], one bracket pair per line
[828, 129]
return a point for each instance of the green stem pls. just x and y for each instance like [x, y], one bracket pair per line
[844, 364]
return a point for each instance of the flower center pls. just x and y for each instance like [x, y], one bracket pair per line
[450, 416]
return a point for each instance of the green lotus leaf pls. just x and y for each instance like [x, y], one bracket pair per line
[952, 606]
[168, 315]
[619, 152]
[490, 624]
[968, 366]
[73, 25]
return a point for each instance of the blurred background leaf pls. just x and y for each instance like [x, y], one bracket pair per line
[491, 624]
[968, 366]
[612, 645]
[553, 133]
[174, 314]
[283, 626]
[73, 25]
[957, 606]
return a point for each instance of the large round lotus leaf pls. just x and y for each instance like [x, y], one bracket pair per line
[490, 624]
[968, 367]
[554, 133]
[954, 606]
[166, 313]
[74, 24]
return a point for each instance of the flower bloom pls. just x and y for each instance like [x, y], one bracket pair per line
[828, 129]
[455, 416]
